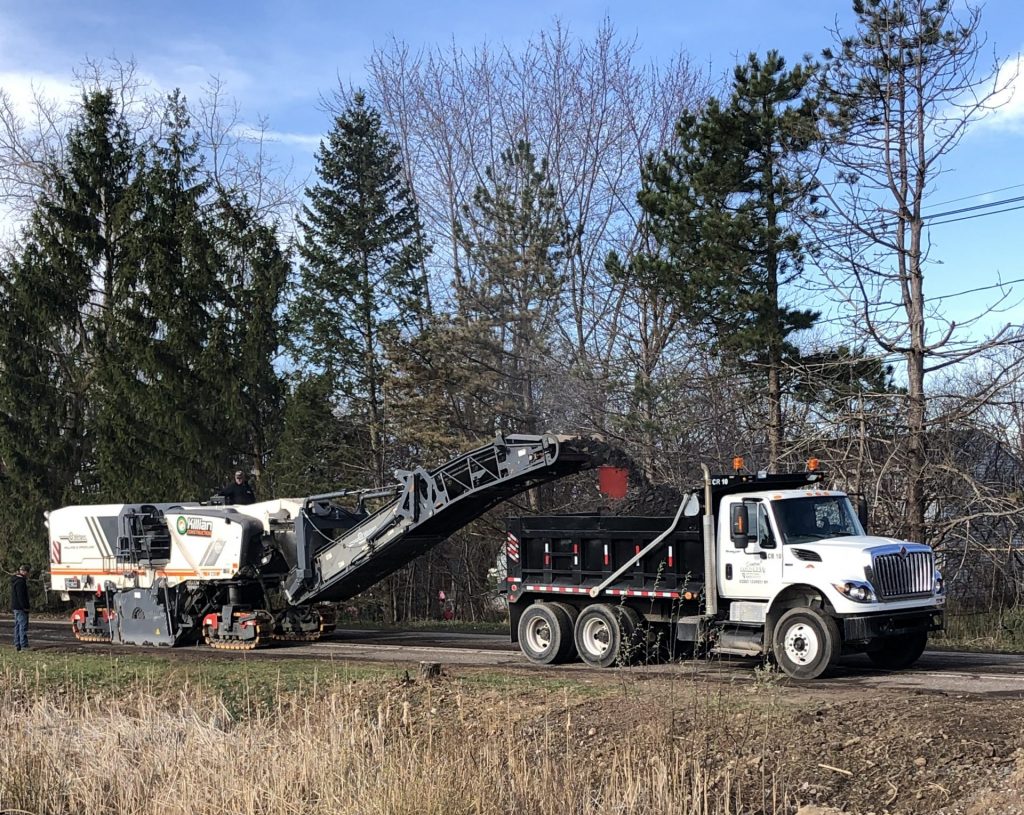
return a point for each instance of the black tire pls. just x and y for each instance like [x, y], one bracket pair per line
[663, 647]
[896, 653]
[571, 613]
[806, 643]
[545, 634]
[607, 635]
[633, 645]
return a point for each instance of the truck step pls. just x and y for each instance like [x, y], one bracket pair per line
[737, 652]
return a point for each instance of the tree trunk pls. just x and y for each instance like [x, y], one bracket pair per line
[916, 404]
[775, 429]
[774, 416]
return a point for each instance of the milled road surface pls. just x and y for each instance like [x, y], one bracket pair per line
[945, 672]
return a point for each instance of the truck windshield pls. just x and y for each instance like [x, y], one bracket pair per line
[816, 517]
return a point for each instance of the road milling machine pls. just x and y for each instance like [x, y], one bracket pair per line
[235, 576]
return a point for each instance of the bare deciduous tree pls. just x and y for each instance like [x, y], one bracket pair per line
[33, 134]
[593, 114]
[903, 90]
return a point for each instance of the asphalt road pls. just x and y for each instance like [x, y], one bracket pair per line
[937, 671]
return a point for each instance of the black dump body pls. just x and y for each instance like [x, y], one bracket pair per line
[565, 556]
[570, 554]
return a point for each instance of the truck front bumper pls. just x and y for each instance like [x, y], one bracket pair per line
[866, 627]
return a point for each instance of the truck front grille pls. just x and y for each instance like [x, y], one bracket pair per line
[902, 574]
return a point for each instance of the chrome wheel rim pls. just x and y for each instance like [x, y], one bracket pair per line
[596, 636]
[801, 644]
[538, 634]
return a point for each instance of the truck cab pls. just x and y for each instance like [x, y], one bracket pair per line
[807, 552]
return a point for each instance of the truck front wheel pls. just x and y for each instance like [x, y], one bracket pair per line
[545, 633]
[806, 643]
[896, 653]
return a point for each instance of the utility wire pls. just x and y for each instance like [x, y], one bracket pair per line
[975, 195]
[976, 215]
[989, 205]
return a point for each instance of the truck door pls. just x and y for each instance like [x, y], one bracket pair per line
[754, 572]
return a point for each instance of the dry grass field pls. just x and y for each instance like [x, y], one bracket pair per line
[100, 734]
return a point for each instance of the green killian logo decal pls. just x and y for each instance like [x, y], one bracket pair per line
[182, 525]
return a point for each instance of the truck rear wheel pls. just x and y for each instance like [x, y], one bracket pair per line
[606, 635]
[571, 612]
[902, 651]
[545, 633]
[806, 643]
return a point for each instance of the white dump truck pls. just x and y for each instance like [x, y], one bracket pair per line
[751, 564]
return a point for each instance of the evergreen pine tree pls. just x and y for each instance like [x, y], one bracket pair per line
[507, 286]
[248, 332]
[722, 206]
[158, 425]
[361, 277]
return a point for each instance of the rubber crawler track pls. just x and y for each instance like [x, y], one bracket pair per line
[326, 626]
[234, 645]
[311, 636]
[81, 636]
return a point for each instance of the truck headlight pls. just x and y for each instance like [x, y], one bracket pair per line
[939, 583]
[856, 590]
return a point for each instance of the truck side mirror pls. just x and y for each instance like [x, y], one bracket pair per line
[740, 519]
[862, 511]
[692, 506]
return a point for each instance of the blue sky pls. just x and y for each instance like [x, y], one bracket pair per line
[278, 59]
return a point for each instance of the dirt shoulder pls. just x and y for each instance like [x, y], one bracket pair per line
[846, 750]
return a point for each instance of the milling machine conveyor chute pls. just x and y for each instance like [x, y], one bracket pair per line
[429, 506]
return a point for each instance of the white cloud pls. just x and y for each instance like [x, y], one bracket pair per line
[1007, 103]
[190, 65]
[24, 89]
[279, 137]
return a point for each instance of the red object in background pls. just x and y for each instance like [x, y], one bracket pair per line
[613, 481]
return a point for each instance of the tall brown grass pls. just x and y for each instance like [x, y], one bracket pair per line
[357, 747]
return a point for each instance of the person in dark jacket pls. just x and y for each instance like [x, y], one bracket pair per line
[20, 607]
[239, 491]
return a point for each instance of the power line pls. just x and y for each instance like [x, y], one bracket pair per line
[976, 207]
[975, 195]
[977, 215]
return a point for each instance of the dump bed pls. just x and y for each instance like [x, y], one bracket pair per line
[572, 554]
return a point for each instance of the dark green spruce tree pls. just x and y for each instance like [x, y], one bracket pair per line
[42, 393]
[159, 426]
[54, 321]
[507, 284]
[723, 206]
[248, 333]
[361, 277]
[317, 450]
